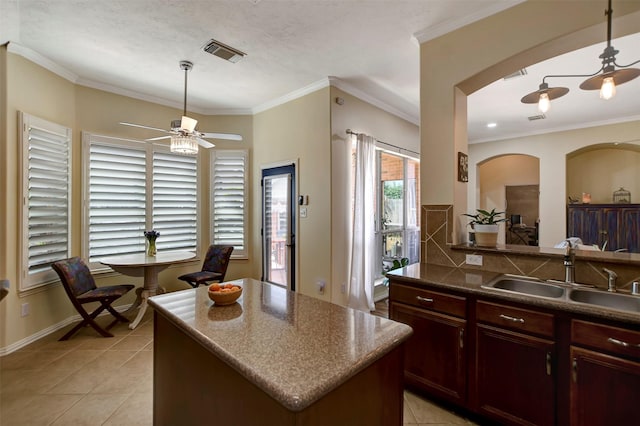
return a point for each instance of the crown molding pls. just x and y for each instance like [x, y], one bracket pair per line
[320, 84]
[41, 60]
[445, 27]
[46, 63]
[336, 82]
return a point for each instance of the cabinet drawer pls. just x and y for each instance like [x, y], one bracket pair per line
[608, 338]
[513, 318]
[427, 299]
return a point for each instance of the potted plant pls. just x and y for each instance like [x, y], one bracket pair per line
[485, 226]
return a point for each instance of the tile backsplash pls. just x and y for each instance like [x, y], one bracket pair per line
[436, 248]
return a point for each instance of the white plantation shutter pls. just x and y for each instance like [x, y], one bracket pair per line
[175, 192]
[46, 193]
[116, 199]
[229, 192]
[132, 187]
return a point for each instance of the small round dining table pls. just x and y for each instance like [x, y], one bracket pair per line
[141, 265]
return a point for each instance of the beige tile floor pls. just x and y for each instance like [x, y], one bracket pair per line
[91, 380]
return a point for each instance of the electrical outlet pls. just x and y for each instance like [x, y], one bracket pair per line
[474, 259]
[25, 310]
[321, 285]
[343, 288]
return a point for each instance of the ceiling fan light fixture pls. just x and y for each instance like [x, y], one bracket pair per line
[188, 124]
[184, 144]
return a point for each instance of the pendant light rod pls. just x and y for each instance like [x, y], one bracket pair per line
[186, 66]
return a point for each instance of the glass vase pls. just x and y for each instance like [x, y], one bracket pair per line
[151, 248]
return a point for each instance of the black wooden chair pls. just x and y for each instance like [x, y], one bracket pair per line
[214, 267]
[81, 288]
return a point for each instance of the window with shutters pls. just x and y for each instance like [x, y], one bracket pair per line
[46, 195]
[229, 199]
[133, 186]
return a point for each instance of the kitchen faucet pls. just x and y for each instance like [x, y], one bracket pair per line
[611, 281]
[569, 264]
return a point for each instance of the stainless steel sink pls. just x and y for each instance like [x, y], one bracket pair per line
[526, 286]
[623, 302]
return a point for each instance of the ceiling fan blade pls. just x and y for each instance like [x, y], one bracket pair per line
[143, 127]
[205, 144]
[157, 138]
[226, 136]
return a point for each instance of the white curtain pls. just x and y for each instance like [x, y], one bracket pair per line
[363, 247]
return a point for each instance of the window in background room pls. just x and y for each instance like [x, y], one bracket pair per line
[229, 199]
[46, 195]
[133, 186]
[398, 211]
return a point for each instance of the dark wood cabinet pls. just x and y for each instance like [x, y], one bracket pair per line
[616, 224]
[435, 355]
[515, 356]
[605, 380]
[516, 363]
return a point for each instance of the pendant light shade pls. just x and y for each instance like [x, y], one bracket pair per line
[543, 96]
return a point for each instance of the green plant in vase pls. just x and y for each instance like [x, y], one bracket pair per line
[151, 237]
[485, 226]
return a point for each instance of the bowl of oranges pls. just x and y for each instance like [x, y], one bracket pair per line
[224, 294]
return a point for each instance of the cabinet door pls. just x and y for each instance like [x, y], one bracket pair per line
[629, 230]
[435, 357]
[604, 389]
[514, 376]
[586, 223]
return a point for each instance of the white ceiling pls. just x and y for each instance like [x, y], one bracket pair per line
[133, 47]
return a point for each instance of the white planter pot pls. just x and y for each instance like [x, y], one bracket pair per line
[486, 235]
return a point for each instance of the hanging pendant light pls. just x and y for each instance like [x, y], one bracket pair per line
[610, 75]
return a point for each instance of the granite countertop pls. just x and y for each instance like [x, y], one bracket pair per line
[294, 347]
[471, 282]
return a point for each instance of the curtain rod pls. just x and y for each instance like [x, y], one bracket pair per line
[378, 141]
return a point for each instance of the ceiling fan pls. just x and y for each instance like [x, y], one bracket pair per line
[183, 134]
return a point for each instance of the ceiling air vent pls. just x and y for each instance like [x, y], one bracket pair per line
[537, 117]
[519, 73]
[223, 51]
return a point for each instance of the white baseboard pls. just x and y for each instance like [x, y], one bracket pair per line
[45, 332]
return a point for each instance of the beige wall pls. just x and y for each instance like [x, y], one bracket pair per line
[475, 55]
[600, 172]
[299, 132]
[552, 150]
[361, 117]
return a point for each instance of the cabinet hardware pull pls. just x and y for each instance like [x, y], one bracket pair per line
[461, 338]
[507, 317]
[622, 343]
[574, 373]
[424, 299]
[548, 363]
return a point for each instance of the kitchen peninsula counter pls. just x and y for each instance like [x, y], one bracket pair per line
[473, 282]
[274, 357]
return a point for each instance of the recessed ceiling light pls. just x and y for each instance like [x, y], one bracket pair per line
[491, 125]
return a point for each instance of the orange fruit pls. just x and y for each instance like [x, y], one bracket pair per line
[214, 287]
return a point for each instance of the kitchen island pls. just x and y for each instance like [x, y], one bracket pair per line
[274, 357]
